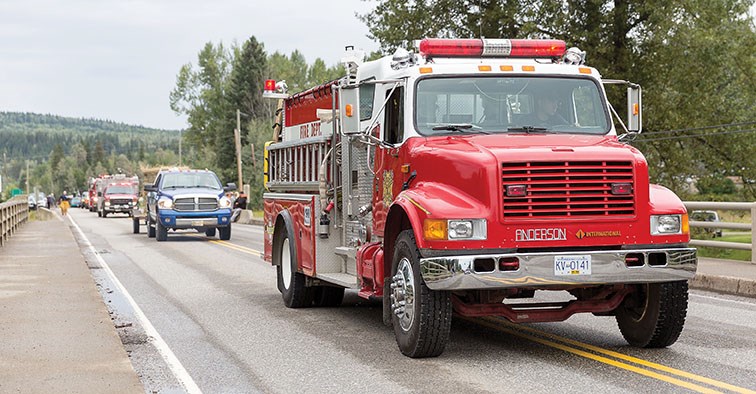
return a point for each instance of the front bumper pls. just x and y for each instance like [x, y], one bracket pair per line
[118, 208]
[538, 269]
[181, 220]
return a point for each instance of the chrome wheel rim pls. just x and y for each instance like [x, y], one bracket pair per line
[286, 263]
[403, 294]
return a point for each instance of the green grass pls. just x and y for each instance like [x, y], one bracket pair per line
[731, 254]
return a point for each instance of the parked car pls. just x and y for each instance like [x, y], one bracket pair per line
[41, 200]
[188, 199]
[32, 202]
[76, 202]
[707, 216]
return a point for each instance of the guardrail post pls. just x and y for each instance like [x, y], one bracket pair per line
[753, 229]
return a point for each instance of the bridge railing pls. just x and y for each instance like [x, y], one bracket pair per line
[724, 206]
[12, 213]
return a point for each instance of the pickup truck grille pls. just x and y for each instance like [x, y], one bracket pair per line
[568, 189]
[120, 201]
[195, 204]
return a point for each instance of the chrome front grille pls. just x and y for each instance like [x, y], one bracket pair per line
[195, 204]
[120, 201]
[568, 189]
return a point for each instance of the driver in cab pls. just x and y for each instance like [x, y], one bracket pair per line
[546, 111]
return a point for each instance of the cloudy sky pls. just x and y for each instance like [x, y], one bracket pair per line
[118, 59]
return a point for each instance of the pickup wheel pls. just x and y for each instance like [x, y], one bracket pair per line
[150, 228]
[421, 317]
[104, 214]
[291, 283]
[328, 296]
[224, 233]
[161, 232]
[654, 315]
[210, 232]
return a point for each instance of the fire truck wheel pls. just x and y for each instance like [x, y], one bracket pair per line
[225, 233]
[421, 317]
[161, 232]
[653, 316]
[210, 232]
[150, 228]
[328, 296]
[291, 283]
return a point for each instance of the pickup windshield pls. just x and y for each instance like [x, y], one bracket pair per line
[510, 104]
[191, 180]
[120, 189]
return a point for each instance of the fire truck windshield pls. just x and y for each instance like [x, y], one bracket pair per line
[120, 189]
[510, 104]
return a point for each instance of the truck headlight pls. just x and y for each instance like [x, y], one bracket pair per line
[107, 203]
[165, 203]
[224, 202]
[669, 224]
[455, 229]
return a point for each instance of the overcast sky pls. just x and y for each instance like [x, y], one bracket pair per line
[118, 59]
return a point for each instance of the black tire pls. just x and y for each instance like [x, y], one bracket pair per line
[150, 228]
[104, 214]
[161, 232]
[654, 315]
[99, 213]
[135, 222]
[210, 232]
[327, 296]
[425, 332]
[224, 233]
[291, 284]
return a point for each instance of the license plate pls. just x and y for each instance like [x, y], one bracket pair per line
[572, 265]
[197, 223]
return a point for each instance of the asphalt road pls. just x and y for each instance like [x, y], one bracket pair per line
[216, 308]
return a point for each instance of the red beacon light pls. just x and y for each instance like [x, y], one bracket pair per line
[487, 47]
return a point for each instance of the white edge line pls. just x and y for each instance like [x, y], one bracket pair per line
[723, 299]
[173, 362]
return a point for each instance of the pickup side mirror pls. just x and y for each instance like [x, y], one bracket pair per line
[229, 187]
[150, 188]
[634, 118]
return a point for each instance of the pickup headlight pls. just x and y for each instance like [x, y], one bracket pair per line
[455, 229]
[165, 203]
[224, 202]
[669, 224]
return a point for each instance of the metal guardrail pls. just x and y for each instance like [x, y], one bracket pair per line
[12, 213]
[726, 206]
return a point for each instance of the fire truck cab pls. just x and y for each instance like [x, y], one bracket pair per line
[464, 178]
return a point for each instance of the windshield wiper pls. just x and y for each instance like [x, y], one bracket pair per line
[528, 129]
[459, 127]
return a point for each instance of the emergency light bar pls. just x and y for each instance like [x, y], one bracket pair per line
[487, 47]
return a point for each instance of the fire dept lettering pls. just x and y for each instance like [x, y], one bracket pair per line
[541, 234]
[310, 130]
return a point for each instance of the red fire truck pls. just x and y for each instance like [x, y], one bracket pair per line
[480, 177]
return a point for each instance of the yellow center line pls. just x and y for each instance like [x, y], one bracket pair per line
[582, 353]
[625, 357]
[239, 248]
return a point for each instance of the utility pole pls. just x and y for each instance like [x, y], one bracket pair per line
[27, 177]
[237, 142]
[180, 134]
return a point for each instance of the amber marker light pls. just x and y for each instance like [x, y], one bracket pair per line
[426, 70]
[435, 229]
[405, 168]
[484, 68]
[584, 70]
[506, 68]
[685, 224]
[528, 68]
[348, 110]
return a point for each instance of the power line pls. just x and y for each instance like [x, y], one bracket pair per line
[677, 137]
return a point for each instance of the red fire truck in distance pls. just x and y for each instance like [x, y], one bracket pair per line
[465, 178]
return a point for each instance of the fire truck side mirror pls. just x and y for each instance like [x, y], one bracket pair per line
[349, 109]
[634, 118]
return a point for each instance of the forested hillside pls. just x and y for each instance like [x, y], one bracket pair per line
[33, 136]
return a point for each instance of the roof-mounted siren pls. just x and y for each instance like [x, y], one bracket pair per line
[275, 90]
[574, 56]
[402, 58]
[489, 47]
